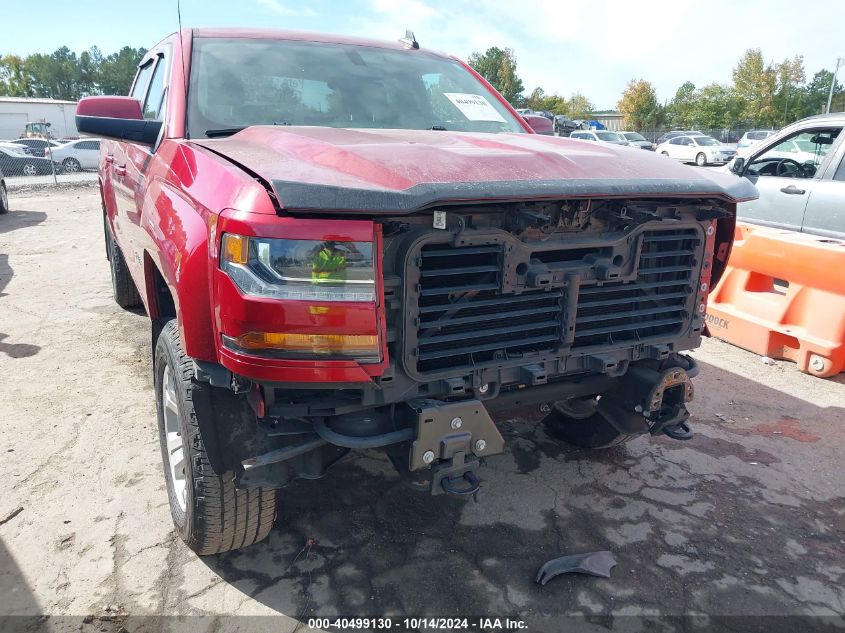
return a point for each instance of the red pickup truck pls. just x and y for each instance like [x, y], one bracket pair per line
[350, 244]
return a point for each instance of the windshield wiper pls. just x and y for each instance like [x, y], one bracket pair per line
[228, 131]
[439, 128]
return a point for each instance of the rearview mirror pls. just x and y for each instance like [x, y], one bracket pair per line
[738, 165]
[824, 138]
[118, 118]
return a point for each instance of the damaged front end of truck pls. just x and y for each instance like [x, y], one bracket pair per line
[573, 310]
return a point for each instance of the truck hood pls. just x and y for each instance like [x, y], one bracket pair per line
[375, 171]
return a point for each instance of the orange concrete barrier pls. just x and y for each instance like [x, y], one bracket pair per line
[783, 296]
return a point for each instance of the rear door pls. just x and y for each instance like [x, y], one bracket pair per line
[87, 153]
[825, 211]
[674, 148]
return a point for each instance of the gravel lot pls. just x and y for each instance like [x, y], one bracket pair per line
[746, 519]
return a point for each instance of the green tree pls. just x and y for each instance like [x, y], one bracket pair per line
[680, 111]
[14, 79]
[789, 96]
[755, 83]
[639, 105]
[578, 106]
[498, 66]
[118, 69]
[814, 95]
[715, 106]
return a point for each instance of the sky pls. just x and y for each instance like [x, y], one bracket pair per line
[593, 48]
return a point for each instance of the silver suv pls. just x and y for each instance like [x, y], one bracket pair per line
[800, 174]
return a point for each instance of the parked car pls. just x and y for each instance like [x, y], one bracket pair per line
[540, 124]
[36, 146]
[800, 174]
[4, 194]
[670, 135]
[752, 137]
[698, 149]
[599, 136]
[563, 125]
[357, 279]
[77, 155]
[16, 163]
[635, 139]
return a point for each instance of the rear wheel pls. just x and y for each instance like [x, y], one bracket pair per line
[210, 515]
[701, 159]
[4, 199]
[71, 165]
[579, 422]
[123, 287]
[30, 169]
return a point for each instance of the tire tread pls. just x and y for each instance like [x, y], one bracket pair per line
[225, 518]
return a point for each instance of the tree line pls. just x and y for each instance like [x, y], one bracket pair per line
[762, 94]
[64, 75]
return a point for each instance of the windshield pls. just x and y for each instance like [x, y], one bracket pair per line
[612, 137]
[705, 140]
[633, 136]
[236, 83]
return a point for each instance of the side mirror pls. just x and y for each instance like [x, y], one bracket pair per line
[118, 118]
[738, 165]
[540, 124]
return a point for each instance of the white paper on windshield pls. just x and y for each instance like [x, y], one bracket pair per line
[474, 107]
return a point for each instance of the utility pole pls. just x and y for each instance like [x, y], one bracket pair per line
[839, 61]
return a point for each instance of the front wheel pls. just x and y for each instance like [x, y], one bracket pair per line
[4, 199]
[30, 169]
[580, 422]
[209, 513]
[701, 159]
[71, 165]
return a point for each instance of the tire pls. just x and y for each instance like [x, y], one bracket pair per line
[123, 287]
[71, 165]
[209, 514]
[30, 169]
[701, 159]
[4, 199]
[582, 425]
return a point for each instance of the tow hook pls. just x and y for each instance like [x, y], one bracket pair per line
[680, 431]
[456, 476]
[452, 438]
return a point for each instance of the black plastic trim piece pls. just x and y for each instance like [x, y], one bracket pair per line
[298, 196]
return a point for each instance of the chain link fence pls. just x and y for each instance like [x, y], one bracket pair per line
[34, 162]
[729, 136]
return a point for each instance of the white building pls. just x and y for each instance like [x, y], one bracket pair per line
[16, 112]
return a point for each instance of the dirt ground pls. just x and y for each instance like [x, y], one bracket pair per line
[746, 519]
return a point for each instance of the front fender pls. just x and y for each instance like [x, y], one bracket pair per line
[179, 233]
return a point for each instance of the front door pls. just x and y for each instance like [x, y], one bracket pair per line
[786, 174]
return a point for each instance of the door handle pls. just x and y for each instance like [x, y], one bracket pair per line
[109, 158]
[793, 190]
[120, 170]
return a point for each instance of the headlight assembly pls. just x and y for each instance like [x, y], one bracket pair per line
[303, 270]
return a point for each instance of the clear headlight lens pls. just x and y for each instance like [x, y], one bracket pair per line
[303, 270]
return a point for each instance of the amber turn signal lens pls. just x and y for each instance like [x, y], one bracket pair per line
[235, 249]
[362, 347]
